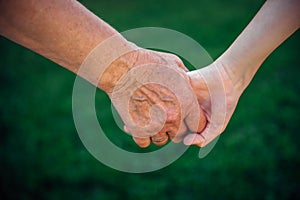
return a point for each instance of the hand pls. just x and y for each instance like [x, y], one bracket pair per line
[152, 111]
[218, 95]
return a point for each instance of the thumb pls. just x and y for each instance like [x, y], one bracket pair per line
[196, 121]
[204, 138]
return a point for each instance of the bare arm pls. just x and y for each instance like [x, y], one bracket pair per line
[66, 32]
[62, 31]
[273, 24]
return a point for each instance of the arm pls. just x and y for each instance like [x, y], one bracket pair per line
[67, 33]
[62, 31]
[272, 25]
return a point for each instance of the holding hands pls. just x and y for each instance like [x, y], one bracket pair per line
[154, 94]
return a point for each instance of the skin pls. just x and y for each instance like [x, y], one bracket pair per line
[272, 25]
[66, 32]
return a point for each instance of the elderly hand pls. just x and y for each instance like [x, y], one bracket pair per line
[153, 96]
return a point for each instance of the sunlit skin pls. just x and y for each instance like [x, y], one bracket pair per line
[66, 32]
[272, 25]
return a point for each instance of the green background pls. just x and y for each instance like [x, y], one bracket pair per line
[257, 157]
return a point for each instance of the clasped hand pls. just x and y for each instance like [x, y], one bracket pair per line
[158, 100]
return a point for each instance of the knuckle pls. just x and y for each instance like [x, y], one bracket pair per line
[161, 142]
[160, 139]
[142, 142]
[173, 118]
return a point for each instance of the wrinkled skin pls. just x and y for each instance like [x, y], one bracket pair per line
[169, 118]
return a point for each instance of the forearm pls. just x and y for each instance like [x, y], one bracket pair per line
[62, 31]
[273, 24]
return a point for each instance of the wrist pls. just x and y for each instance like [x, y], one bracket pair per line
[108, 62]
[237, 71]
[116, 70]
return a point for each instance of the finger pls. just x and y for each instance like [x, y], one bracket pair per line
[202, 139]
[196, 122]
[181, 65]
[210, 133]
[176, 134]
[157, 111]
[173, 57]
[194, 139]
[160, 138]
[142, 142]
[125, 129]
[178, 61]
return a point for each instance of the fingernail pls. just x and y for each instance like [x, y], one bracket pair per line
[188, 140]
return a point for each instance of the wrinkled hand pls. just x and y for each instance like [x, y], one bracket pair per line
[154, 97]
[218, 96]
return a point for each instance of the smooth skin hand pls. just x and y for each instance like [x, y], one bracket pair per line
[66, 32]
[273, 24]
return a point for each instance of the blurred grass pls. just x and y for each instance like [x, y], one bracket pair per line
[42, 157]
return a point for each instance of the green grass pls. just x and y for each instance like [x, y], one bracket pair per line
[41, 155]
